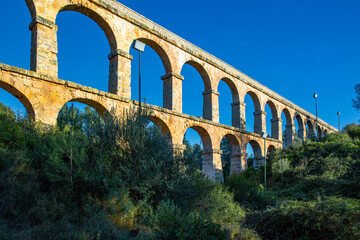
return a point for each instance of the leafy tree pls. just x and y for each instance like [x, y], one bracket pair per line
[87, 120]
[193, 155]
[353, 130]
[90, 178]
[225, 146]
[356, 101]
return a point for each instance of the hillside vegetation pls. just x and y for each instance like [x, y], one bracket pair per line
[313, 190]
[89, 178]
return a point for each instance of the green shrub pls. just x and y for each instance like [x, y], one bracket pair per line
[89, 178]
[117, 178]
[331, 218]
[244, 234]
[170, 223]
[219, 206]
[353, 130]
[248, 191]
[280, 166]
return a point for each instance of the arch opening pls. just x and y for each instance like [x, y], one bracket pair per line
[154, 64]
[17, 101]
[254, 156]
[299, 127]
[82, 115]
[230, 156]
[201, 70]
[271, 117]
[206, 159]
[252, 112]
[163, 128]
[326, 133]
[84, 42]
[15, 42]
[99, 20]
[228, 100]
[193, 153]
[270, 151]
[319, 132]
[309, 130]
[82, 103]
[196, 83]
[160, 53]
[287, 127]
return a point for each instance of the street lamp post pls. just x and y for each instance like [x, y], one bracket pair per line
[264, 135]
[316, 125]
[139, 46]
[338, 113]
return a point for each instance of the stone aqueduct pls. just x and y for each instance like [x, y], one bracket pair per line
[43, 94]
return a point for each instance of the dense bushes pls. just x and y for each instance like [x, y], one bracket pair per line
[248, 190]
[312, 193]
[170, 223]
[89, 178]
[330, 218]
[316, 185]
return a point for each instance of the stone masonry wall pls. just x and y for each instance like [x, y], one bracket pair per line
[43, 94]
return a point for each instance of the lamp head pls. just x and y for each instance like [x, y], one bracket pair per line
[138, 45]
[315, 95]
[338, 113]
[264, 135]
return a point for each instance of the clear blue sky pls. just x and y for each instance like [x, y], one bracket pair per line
[295, 48]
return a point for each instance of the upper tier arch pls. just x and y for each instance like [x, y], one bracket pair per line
[31, 6]
[159, 50]
[203, 73]
[274, 113]
[234, 91]
[96, 17]
[126, 25]
[255, 99]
